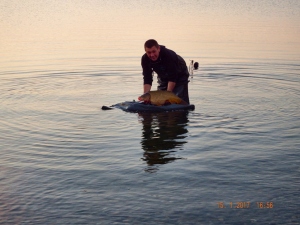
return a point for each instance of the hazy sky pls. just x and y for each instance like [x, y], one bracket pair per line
[91, 23]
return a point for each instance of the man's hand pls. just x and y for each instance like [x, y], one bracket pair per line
[147, 88]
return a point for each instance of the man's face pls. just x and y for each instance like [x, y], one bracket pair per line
[153, 52]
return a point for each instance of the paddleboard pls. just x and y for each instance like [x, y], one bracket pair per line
[133, 106]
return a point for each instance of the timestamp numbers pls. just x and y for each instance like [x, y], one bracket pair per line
[245, 205]
[265, 205]
[234, 205]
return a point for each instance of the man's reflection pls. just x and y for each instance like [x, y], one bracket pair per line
[162, 133]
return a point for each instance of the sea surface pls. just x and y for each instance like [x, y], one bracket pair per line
[233, 160]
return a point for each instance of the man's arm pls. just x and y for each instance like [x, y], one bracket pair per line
[171, 86]
[147, 73]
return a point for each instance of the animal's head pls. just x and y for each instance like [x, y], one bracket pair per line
[144, 97]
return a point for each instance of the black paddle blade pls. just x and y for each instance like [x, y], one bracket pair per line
[106, 108]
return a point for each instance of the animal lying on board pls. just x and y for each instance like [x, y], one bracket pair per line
[153, 101]
[160, 98]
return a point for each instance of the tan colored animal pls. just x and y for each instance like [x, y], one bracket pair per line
[160, 98]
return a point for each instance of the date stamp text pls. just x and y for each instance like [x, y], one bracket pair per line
[245, 205]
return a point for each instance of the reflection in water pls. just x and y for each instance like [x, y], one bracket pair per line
[162, 134]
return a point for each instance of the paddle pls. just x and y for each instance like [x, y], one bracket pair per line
[106, 108]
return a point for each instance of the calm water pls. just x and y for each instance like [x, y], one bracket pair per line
[65, 161]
